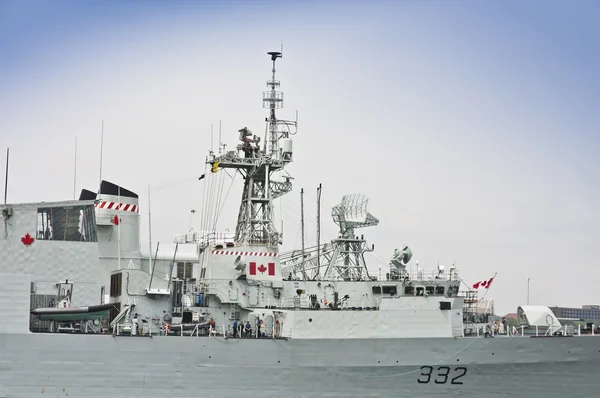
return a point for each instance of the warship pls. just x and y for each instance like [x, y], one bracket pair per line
[85, 313]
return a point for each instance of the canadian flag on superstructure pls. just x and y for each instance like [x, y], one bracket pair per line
[261, 269]
[485, 284]
[260, 264]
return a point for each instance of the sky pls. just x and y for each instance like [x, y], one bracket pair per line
[471, 126]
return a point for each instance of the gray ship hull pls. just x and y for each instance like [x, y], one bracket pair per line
[101, 366]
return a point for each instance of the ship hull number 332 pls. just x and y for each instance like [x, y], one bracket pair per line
[442, 374]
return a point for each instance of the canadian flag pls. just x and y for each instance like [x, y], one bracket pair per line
[261, 269]
[485, 284]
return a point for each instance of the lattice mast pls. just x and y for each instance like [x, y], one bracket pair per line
[342, 258]
[348, 258]
[257, 165]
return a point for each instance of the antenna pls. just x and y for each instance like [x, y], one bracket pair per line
[302, 218]
[272, 100]
[150, 267]
[318, 228]
[191, 215]
[119, 228]
[101, 146]
[6, 178]
[75, 171]
[219, 137]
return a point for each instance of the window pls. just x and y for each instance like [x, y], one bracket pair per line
[115, 284]
[184, 270]
[376, 289]
[429, 289]
[177, 293]
[439, 290]
[391, 290]
[67, 223]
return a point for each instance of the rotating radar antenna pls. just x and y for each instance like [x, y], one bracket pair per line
[351, 213]
[347, 259]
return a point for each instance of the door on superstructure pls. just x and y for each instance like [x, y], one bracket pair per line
[253, 295]
[269, 325]
[329, 295]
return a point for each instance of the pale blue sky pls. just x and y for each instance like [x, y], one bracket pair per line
[472, 126]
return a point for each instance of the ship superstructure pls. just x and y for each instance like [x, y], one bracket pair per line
[256, 283]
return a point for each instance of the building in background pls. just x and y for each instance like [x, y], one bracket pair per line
[587, 313]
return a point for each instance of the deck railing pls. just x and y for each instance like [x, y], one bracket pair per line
[204, 238]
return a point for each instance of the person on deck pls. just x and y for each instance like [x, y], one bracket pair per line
[235, 328]
[276, 327]
[248, 329]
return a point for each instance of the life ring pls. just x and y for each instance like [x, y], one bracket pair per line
[166, 327]
[325, 302]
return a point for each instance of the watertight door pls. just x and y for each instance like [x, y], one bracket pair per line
[269, 325]
[329, 291]
[253, 295]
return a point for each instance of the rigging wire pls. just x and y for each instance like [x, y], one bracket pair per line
[219, 196]
[227, 194]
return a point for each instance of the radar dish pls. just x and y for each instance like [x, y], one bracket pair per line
[352, 213]
[401, 257]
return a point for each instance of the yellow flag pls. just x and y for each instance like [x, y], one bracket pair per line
[215, 166]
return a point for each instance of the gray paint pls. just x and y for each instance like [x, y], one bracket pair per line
[101, 366]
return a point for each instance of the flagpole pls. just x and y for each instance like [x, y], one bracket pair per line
[119, 228]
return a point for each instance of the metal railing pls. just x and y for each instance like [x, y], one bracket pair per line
[204, 238]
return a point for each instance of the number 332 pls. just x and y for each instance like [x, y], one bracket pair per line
[443, 373]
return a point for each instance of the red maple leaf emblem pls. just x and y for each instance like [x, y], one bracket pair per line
[262, 269]
[27, 240]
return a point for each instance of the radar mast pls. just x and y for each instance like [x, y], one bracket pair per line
[257, 165]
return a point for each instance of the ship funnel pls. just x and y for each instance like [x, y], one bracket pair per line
[118, 207]
[86, 194]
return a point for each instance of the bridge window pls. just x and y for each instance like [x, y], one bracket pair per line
[67, 223]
